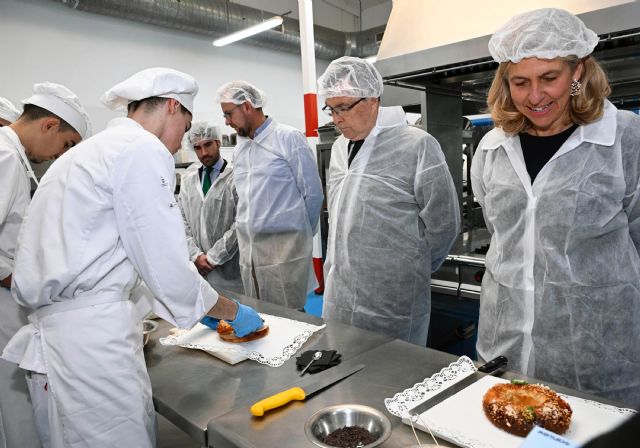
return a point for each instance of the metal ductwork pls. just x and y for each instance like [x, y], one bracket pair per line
[216, 18]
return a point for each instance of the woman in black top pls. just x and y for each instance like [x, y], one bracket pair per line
[558, 180]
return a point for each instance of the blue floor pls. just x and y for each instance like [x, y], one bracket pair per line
[314, 304]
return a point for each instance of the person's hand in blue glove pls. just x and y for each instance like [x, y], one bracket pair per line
[247, 321]
[210, 322]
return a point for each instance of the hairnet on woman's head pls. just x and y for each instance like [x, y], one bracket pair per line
[546, 33]
[202, 131]
[349, 76]
[8, 111]
[238, 92]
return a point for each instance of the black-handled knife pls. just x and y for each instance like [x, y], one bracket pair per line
[495, 367]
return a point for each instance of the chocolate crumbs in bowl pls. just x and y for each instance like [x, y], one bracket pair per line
[350, 437]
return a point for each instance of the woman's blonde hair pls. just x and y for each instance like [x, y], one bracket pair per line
[586, 107]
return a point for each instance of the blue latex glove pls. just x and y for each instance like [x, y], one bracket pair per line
[246, 321]
[210, 322]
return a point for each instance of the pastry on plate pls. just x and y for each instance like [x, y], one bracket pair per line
[516, 407]
[225, 331]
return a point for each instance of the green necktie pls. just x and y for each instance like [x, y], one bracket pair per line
[206, 182]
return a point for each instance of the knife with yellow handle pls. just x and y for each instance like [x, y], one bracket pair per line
[303, 391]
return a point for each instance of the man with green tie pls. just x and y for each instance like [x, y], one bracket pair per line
[208, 203]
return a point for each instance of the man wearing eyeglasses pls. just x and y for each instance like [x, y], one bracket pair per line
[279, 198]
[393, 209]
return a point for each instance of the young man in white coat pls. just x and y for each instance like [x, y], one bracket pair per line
[103, 216]
[208, 203]
[393, 209]
[52, 122]
[279, 198]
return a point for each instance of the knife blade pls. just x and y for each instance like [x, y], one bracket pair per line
[303, 391]
[446, 393]
[496, 365]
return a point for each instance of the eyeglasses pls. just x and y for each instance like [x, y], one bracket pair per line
[340, 110]
[228, 113]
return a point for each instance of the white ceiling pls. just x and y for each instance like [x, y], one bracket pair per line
[343, 15]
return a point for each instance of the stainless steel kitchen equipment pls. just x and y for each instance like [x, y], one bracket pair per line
[209, 399]
[332, 418]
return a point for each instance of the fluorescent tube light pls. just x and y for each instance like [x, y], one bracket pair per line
[255, 29]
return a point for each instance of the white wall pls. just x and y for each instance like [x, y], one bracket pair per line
[45, 41]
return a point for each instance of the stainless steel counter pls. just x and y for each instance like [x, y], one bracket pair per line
[389, 369]
[210, 399]
[190, 388]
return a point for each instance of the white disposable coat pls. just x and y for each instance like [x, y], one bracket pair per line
[16, 416]
[393, 216]
[279, 200]
[561, 293]
[103, 215]
[210, 225]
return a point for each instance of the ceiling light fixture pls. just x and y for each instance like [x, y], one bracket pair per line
[252, 30]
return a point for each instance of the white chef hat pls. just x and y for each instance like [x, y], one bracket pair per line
[237, 92]
[8, 111]
[546, 33]
[349, 76]
[152, 82]
[202, 131]
[61, 101]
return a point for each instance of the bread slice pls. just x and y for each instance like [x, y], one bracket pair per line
[225, 331]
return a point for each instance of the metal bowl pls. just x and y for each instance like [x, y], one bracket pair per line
[148, 327]
[327, 420]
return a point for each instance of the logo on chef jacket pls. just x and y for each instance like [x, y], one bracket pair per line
[165, 184]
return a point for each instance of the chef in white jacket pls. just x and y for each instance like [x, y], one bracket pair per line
[8, 112]
[208, 201]
[393, 209]
[279, 198]
[52, 122]
[103, 215]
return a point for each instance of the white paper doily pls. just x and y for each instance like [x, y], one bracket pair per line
[285, 338]
[408, 399]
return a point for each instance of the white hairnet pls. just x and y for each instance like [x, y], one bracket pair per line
[8, 111]
[349, 76]
[237, 92]
[152, 82]
[202, 131]
[61, 101]
[544, 33]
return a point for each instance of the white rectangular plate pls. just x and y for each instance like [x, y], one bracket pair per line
[460, 419]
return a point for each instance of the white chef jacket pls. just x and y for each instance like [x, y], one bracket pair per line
[14, 195]
[16, 416]
[103, 215]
